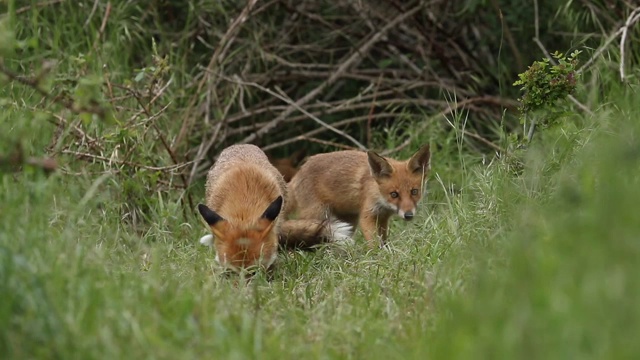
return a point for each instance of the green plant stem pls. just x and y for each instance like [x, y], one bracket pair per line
[532, 129]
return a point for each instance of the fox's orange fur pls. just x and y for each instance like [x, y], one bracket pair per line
[244, 198]
[288, 166]
[359, 188]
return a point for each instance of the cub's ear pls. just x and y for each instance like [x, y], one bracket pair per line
[209, 215]
[379, 166]
[297, 157]
[421, 160]
[273, 210]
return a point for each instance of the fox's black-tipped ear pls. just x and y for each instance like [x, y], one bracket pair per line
[379, 166]
[273, 210]
[421, 160]
[209, 215]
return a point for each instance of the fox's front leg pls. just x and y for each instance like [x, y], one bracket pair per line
[374, 228]
[368, 227]
[383, 229]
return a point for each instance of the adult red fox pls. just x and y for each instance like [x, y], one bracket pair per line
[359, 188]
[244, 198]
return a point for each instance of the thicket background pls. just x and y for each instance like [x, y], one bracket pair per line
[153, 90]
[112, 112]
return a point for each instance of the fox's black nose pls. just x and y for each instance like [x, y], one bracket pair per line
[408, 215]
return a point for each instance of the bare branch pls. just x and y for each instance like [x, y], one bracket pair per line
[216, 59]
[88, 156]
[445, 112]
[34, 83]
[40, 4]
[282, 96]
[354, 58]
[633, 18]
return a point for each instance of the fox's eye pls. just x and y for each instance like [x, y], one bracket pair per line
[394, 194]
[414, 191]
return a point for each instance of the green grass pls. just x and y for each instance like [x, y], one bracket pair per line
[498, 264]
[538, 266]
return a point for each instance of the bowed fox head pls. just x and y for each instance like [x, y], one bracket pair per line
[400, 182]
[245, 243]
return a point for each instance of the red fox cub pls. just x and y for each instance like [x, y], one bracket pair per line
[244, 198]
[244, 195]
[359, 188]
[289, 166]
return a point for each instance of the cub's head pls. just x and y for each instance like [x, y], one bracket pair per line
[400, 182]
[288, 166]
[247, 244]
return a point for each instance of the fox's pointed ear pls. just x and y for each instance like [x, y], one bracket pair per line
[273, 210]
[379, 166]
[209, 215]
[297, 157]
[421, 160]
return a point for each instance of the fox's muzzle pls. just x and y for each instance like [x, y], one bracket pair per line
[408, 215]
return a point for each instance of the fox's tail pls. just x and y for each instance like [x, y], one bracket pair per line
[303, 234]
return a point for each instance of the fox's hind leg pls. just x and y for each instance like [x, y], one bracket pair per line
[314, 224]
[312, 209]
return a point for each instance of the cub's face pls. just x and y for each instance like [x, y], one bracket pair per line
[250, 244]
[238, 247]
[401, 182]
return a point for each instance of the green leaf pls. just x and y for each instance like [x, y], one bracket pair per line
[139, 76]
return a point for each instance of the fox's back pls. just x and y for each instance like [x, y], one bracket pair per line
[339, 178]
[242, 183]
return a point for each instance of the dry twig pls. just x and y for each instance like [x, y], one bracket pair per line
[216, 60]
[350, 61]
[40, 4]
[282, 96]
[104, 159]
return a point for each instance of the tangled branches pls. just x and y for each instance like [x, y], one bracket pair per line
[366, 65]
[273, 73]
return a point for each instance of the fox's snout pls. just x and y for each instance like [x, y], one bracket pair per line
[405, 204]
[406, 215]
